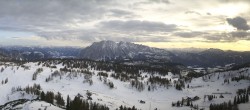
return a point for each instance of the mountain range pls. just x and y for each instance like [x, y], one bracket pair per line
[128, 52]
[38, 53]
[109, 50]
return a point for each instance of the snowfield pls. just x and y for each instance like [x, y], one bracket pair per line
[121, 94]
[37, 105]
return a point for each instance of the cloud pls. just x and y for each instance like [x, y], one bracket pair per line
[189, 34]
[239, 23]
[160, 1]
[130, 20]
[122, 13]
[47, 15]
[208, 13]
[148, 2]
[137, 26]
[59, 19]
[214, 38]
[94, 35]
[227, 37]
[83, 35]
[192, 12]
[240, 34]
[234, 1]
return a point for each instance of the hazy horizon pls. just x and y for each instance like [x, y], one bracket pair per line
[221, 24]
[166, 48]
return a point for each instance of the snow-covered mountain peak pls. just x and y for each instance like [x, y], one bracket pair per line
[109, 50]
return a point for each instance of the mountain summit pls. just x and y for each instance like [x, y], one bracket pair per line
[110, 50]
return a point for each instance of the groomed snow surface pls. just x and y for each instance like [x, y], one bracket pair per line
[121, 94]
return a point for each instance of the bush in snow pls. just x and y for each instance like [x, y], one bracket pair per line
[2, 69]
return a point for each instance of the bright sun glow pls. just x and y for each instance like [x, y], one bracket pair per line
[241, 45]
[230, 10]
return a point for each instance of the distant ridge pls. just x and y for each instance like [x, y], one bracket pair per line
[126, 51]
[110, 50]
[129, 53]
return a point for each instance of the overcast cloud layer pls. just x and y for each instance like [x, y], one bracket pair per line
[88, 21]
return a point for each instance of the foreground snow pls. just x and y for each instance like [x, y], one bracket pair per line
[36, 105]
[122, 94]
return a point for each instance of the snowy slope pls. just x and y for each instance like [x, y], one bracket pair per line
[121, 94]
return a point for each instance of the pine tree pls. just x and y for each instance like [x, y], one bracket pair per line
[49, 97]
[133, 108]
[241, 99]
[94, 107]
[68, 101]
[235, 100]
[178, 87]
[211, 107]
[191, 105]
[230, 105]
[59, 99]
[188, 102]
[238, 100]
[247, 97]
[2, 69]
[121, 107]
[178, 104]
[6, 80]
[182, 102]
[42, 96]
[89, 95]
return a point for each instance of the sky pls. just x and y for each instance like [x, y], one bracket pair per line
[222, 24]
